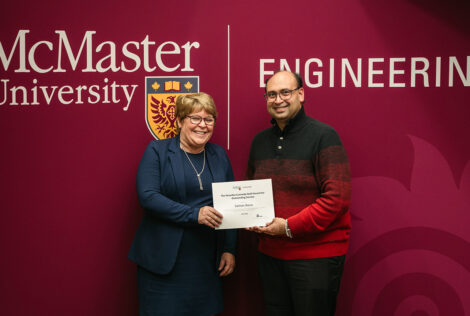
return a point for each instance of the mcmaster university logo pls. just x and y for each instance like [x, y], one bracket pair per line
[160, 107]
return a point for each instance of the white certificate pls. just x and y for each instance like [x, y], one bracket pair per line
[244, 203]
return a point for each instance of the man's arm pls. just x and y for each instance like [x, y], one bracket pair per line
[332, 174]
[334, 179]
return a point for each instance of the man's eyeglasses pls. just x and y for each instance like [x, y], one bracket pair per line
[196, 120]
[284, 94]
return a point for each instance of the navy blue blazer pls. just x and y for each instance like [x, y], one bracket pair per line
[161, 192]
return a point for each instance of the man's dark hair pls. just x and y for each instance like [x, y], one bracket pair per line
[300, 83]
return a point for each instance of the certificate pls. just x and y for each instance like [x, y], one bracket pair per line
[244, 203]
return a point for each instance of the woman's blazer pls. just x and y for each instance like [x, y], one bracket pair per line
[161, 191]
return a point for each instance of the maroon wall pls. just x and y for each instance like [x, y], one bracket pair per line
[393, 78]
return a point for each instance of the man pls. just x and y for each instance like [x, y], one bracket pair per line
[301, 252]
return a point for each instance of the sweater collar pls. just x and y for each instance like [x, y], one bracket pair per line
[293, 124]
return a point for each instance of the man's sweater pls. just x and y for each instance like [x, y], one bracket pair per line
[310, 173]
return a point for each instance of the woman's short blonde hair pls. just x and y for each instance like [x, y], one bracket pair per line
[194, 102]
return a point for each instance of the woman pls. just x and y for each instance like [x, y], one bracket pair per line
[180, 256]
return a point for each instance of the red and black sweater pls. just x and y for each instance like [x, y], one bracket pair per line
[311, 180]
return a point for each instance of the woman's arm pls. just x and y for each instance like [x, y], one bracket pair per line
[149, 192]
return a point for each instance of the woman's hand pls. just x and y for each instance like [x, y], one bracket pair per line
[209, 216]
[227, 264]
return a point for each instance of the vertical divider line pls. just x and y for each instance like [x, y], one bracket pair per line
[228, 87]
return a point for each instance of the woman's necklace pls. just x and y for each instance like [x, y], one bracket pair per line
[198, 173]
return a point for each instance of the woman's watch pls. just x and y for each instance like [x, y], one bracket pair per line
[288, 231]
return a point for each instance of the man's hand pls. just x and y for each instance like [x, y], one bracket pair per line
[227, 264]
[209, 216]
[277, 227]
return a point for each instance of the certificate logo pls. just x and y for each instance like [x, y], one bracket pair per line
[160, 107]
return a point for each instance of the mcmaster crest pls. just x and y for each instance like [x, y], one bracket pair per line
[160, 108]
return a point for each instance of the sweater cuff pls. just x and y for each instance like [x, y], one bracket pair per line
[295, 225]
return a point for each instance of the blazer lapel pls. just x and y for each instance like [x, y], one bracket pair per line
[177, 166]
[214, 165]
